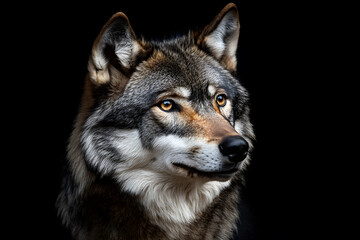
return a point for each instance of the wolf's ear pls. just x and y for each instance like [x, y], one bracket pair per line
[220, 37]
[116, 51]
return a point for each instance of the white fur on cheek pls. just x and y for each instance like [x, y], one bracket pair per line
[168, 149]
[168, 198]
[131, 150]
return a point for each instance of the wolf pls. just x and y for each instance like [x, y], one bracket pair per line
[162, 136]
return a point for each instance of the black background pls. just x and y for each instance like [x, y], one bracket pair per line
[280, 56]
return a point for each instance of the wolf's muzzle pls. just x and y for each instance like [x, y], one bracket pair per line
[235, 148]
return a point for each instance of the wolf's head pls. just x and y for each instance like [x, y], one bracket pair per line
[171, 109]
[166, 122]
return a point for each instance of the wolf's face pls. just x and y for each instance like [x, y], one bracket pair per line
[162, 133]
[170, 109]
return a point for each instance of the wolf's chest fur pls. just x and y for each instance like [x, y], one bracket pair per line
[162, 136]
[109, 213]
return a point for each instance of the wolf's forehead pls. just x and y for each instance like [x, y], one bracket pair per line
[185, 73]
[184, 84]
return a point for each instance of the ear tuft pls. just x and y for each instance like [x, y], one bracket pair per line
[220, 37]
[115, 45]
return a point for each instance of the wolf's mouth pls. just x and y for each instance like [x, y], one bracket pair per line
[224, 174]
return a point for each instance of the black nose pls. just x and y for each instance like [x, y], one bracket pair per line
[234, 147]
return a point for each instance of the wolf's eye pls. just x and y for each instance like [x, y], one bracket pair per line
[166, 105]
[221, 100]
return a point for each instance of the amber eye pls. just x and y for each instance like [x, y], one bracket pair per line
[166, 105]
[221, 100]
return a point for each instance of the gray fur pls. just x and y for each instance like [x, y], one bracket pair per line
[119, 109]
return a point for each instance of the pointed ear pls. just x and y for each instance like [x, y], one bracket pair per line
[116, 50]
[220, 37]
